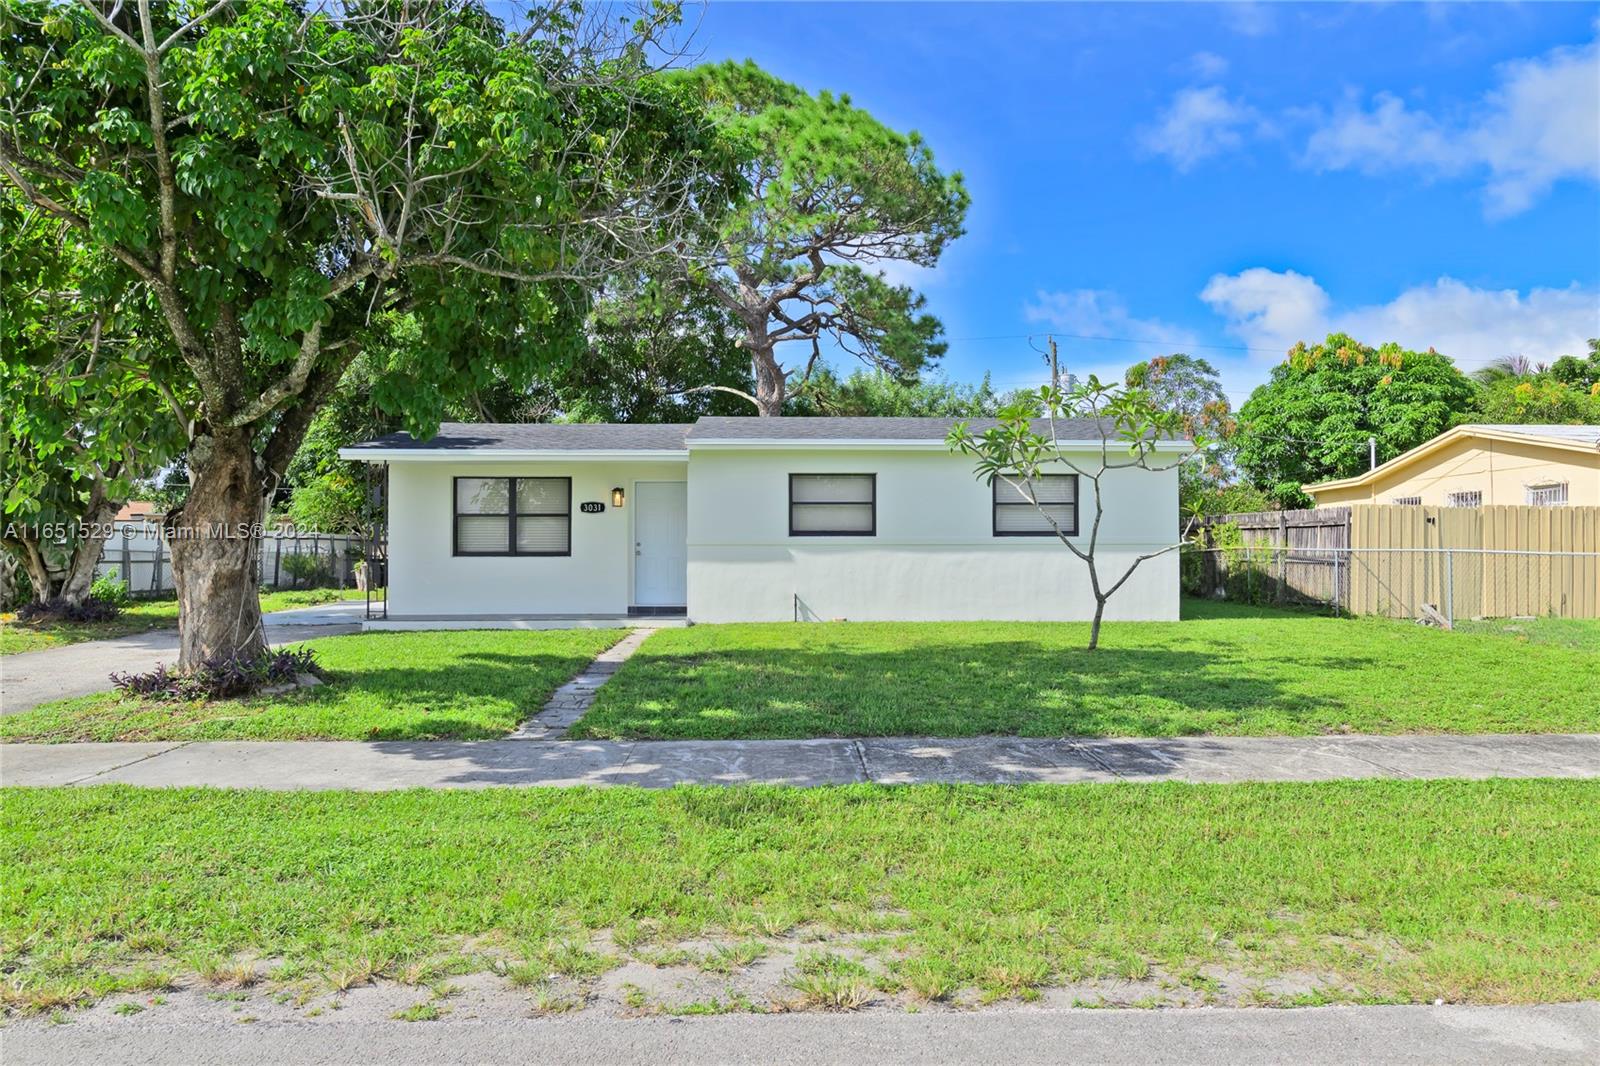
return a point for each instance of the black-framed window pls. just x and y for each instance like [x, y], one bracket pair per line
[513, 516]
[1016, 516]
[833, 505]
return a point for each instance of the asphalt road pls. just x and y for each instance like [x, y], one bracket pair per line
[1567, 1033]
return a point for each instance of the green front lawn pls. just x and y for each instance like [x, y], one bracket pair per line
[141, 616]
[465, 685]
[1224, 669]
[1345, 891]
[1582, 633]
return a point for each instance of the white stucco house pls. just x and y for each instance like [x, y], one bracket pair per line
[750, 519]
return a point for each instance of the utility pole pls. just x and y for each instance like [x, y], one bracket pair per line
[1372, 453]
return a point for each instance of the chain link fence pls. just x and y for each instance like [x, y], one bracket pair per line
[1437, 585]
[140, 558]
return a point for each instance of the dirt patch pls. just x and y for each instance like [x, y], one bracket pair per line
[806, 970]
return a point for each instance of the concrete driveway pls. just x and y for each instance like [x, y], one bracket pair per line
[34, 677]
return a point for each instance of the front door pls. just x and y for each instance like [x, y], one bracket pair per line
[660, 543]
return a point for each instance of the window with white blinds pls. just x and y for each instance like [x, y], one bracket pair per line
[1016, 516]
[833, 505]
[513, 516]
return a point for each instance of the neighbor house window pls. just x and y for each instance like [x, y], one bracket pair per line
[1464, 499]
[1550, 494]
[1407, 501]
[513, 516]
[833, 505]
[1016, 516]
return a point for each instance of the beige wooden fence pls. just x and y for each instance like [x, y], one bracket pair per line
[1469, 562]
[1403, 561]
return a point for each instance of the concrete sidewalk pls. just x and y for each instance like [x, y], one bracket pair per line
[898, 760]
[34, 677]
[1561, 1033]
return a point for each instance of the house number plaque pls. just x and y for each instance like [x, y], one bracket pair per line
[591, 507]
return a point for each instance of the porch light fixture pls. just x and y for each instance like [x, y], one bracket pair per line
[616, 497]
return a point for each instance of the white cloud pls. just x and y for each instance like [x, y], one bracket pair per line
[1207, 66]
[1539, 126]
[1099, 314]
[1266, 308]
[1273, 309]
[1249, 19]
[1197, 124]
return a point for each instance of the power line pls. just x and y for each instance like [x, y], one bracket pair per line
[1116, 340]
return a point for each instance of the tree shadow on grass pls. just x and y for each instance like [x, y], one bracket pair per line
[956, 689]
[477, 696]
[495, 690]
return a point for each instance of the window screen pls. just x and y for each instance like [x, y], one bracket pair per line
[1016, 516]
[836, 505]
[513, 516]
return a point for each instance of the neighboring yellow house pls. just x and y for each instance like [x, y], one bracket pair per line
[1473, 466]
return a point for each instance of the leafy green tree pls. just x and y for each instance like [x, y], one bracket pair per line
[1134, 433]
[1192, 387]
[272, 178]
[1188, 385]
[652, 348]
[79, 422]
[1540, 399]
[1312, 420]
[832, 192]
[1517, 392]
[874, 393]
[1581, 372]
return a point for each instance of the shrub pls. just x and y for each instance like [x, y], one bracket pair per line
[110, 588]
[306, 569]
[92, 609]
[219, 678]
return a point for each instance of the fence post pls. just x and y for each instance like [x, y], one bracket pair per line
[1450, 587]
[155, 569]
[1336, 587]
[127, 560]
[1283, 557]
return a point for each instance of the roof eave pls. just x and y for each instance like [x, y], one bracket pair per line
[814, 444]
[1433, 444]
[444, 455]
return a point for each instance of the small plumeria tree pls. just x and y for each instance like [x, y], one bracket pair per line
[1023, 445]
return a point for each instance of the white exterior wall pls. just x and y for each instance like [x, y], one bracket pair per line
[597, 578]
[934, 556]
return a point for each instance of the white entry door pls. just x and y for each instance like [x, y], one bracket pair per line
[660, 543]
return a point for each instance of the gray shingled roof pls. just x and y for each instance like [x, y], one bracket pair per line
[540, 436]
[1583, 434]
[804, 429]
[614, 436]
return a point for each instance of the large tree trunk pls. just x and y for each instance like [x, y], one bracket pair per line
[770, 383]
[69, 583]
[215, 540]
[78, 578]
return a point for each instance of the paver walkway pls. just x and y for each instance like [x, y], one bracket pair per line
[895, 760]
[571, 700]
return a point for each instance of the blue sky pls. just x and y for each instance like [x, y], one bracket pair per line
[1210, 178]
